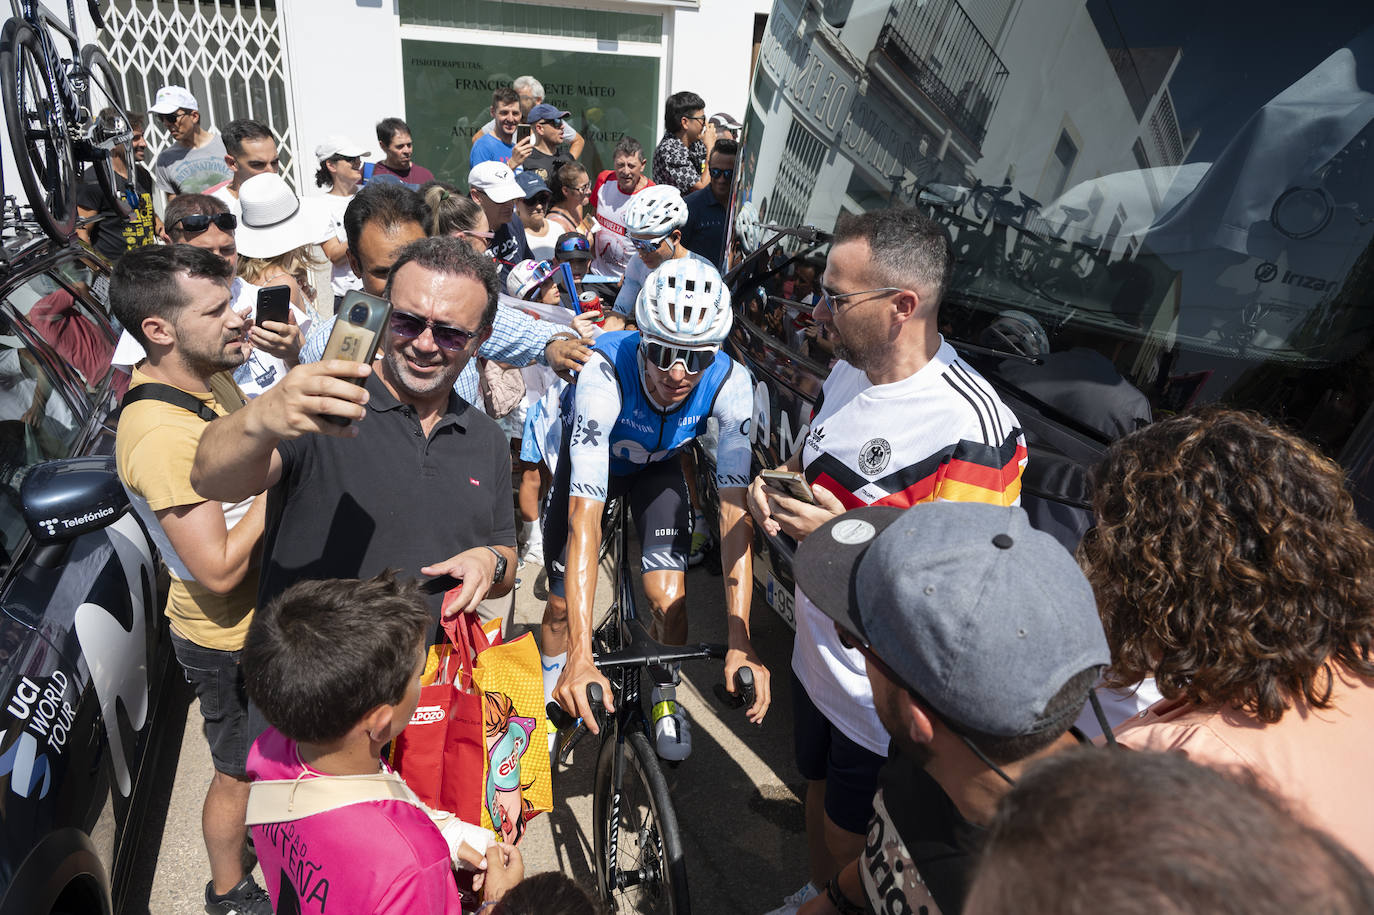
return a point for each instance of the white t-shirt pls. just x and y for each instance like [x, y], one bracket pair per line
[941, 434]
[223, 193]
[611, 248]
[331, 212]
[541, 246]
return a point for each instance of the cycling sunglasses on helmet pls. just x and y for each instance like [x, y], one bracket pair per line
[664, 356]
[199, 222]
[408, 327]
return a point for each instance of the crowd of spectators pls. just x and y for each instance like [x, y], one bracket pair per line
[945, 648]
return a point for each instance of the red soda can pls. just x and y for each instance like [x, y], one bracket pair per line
[590, 301]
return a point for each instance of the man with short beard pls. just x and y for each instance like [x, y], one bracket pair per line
[175, 301]
[420, 481]
[900, 420]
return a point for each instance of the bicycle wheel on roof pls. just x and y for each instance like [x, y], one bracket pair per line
[38, 130]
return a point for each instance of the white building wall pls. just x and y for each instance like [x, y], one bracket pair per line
[710, 51]
[345, 61]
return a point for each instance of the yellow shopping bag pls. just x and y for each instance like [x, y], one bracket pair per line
[516, 780]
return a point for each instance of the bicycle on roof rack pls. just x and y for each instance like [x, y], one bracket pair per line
[640, 864]
[61, 113]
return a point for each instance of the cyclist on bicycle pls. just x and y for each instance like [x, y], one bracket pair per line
[643, 398]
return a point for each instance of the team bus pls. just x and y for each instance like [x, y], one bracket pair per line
[1152, 206]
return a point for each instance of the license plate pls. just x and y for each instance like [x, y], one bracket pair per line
[779, 597]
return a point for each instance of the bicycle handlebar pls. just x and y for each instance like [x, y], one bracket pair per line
[743, 698]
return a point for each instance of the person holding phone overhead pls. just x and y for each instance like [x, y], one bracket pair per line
[419, 480]
[502, 144]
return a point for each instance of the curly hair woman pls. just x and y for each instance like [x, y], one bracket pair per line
[1229, 564]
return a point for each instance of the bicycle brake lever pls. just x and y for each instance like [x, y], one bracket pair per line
[598, 706]
[561, 719]
[743, 697]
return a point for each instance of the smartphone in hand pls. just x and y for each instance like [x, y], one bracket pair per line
[274, 304]
[523, 132]
[790, 483]
[357, 333]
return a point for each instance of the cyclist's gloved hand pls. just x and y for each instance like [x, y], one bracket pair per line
[571, 689]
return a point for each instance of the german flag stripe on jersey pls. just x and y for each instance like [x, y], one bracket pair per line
[965, 471]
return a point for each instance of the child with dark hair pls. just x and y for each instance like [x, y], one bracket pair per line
[335, 668]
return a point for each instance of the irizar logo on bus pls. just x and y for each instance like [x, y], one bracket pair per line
[1267, 272]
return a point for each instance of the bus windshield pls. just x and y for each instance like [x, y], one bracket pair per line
[1176, 199]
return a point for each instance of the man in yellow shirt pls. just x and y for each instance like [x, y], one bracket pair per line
[175, 301]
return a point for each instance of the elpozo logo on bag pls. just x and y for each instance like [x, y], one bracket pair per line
[427, 714]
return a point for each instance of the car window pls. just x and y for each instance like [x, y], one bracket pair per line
[65, 317]
[36, 424]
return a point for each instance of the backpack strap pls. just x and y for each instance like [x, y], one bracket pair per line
[152, 390]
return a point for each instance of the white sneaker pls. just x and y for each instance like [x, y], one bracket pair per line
[533, 550]
[792, 903]
[672, 730]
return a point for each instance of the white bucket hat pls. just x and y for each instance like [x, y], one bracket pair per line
[272, 222]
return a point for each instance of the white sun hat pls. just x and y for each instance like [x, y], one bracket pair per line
[272, 222]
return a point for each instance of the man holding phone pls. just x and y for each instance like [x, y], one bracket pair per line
[205, 222]
[901, 419]
[502, 144]
[546, 129]
[175, 301]
[420, 479]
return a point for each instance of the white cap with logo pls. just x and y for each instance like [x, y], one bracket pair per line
[171, 98]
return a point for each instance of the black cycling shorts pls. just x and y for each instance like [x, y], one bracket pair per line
[658, 503]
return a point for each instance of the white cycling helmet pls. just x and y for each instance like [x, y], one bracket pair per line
[747, 228]
[1017, 331]
[684, 303]
[656, 211]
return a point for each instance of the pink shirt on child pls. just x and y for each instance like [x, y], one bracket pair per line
[373, 858]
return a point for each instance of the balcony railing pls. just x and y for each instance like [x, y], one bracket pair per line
[939, 48]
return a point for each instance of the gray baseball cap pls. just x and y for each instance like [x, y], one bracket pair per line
[983, 616]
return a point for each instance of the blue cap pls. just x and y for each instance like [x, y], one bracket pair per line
[531, 184]
[545, 112]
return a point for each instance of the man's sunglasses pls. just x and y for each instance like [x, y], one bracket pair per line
[576, 243]
[722, 173]
[199, 222]
[408, 327]
[553, 122]
[173, 116]
[664, 357]
[649, 244]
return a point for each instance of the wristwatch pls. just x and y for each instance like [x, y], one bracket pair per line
[500, 574]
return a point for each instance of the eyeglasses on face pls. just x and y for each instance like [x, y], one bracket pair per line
[172, 117]
[539, 200]
[722, 173]
[584, 188]
[408, 326]
[576, 243]
[829, 298]
[664, 356]
[700, 117]
[355, 161]
[553, 122]
[199, 222]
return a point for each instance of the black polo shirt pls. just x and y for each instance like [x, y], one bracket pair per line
[390, 498]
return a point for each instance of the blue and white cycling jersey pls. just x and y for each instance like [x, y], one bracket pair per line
[615, 428]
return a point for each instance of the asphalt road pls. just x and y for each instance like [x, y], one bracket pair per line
[738, 797]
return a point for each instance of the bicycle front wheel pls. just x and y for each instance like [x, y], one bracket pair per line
[38, 130]
[640, 866]
[106, 106]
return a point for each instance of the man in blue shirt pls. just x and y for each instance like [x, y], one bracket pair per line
[500, 145]
[708, 210]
